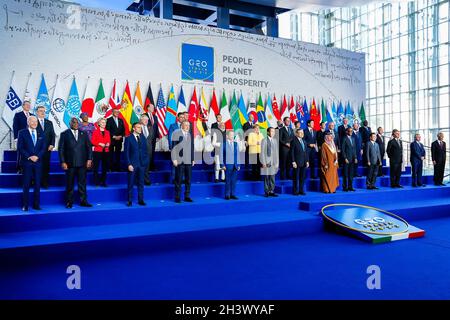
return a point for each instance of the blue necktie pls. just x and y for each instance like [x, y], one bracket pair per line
[33, 136]
[301, 142]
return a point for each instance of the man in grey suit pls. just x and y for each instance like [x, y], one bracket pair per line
[269, 162]
[373, 158]
[149, 134]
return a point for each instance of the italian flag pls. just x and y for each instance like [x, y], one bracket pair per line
[225, 112]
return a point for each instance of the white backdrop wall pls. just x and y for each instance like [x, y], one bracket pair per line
[54, 37]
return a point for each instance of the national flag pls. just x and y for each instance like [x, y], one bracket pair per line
[261, 116]
[284, 108]
[181, 102]
[362, 113]
[42, 98]
[138, 105]
[329, 114]
[225, 112]
[202, 115]
[213, 110]
[234, 113]
[127, 111]
[29, 91]
[193, 112]
[314, 115]
[334, 113]
[101, 105]
[349, 113]
[161, 113]
[340, 114]
[88, 103]
[323, 112]
[271, 119]
[149, 101]
[300, 114]
[275, 108]
[252, 108]
[73, 105]
[13, 103]
[292, 111]
[305, 110]
[242, 110]
[114, 101]
[58, 109]
[171, 112]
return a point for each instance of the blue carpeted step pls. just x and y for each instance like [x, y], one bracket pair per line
[262, 225]
[57, 216]
[408, 195]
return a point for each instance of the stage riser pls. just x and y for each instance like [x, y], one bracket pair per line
[166, 191]
[58, 178]
[63, 218]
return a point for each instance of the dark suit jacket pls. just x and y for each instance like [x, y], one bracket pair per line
[438, 153]
[381, 144]
[286, 136]
[180, 144]
[230, 156]
[74, 152]
[19, 123]
[49, 132]
[416, 152]
[136, 154]
[365, 134]
[115, 130]
[321, 137]
[348, 150]
[298, 154]
[310, 138]
[341, 131]
[247, 126]
[26, 147]
[154, 130]
[359, 144]
[395, 151]
[372, 153]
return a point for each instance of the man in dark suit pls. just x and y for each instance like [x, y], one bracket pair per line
[20, 122]
[285, 134]
[359, 147]
[438, 156]
[249, 124]
[116, 129]
[46, 129]
[230, 165]
[349, 158]
[136, 158]
[373, 159]
[75, 155]
[31, 145]
[321, 134]
[394, 151]
[147, 132]
[215, 125]
[311, 143]
[248, 128]
[174, 127]
[342, 129]
[299, 159]
[365, 137]
[153, 132]
[417, 156]
[183, 159]
[382, 147]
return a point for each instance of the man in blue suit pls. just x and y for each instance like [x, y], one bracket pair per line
[357, 135]
[349, 159]
[136, 157]
[230, 165]
[31, 146]
[300, 161]
[20, 123]
[417, 156]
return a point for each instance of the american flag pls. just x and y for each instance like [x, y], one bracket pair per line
[161, 114]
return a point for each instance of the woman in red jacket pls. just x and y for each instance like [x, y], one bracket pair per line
[101, 141]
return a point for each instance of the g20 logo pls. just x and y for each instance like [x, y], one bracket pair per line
[197, 62]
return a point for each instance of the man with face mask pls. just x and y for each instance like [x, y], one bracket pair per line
[75, 155]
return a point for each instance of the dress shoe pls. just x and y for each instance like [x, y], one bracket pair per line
[302, 193]
[351, 189]
[345, 190]
[399, 186]
[37, 208]
[414, 186]
[295, 193]
[85, 204]
[216, 180]
[423, 185]
[234, 197]
[129, 204]
[24, 208]
[273, 194]
[266, 195]
[69, 205]
[369, 187]
[375, 188]
[148, 183]
[177, 200]
[104, 185]
[142, 203]
[187, 199]
[227, 198]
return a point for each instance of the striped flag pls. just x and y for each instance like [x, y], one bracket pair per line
[138, 106]
[242, 110]
[284, 108]
[181, 102]
[271, 119]
[213, 110]
[292, 111]
[161, 113]
[101, 105]
[171, 112]
[202, 115]
[149, 101]
[13, 103]
[225, 112]
[275, 108]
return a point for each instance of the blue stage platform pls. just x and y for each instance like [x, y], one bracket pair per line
[252, 248]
